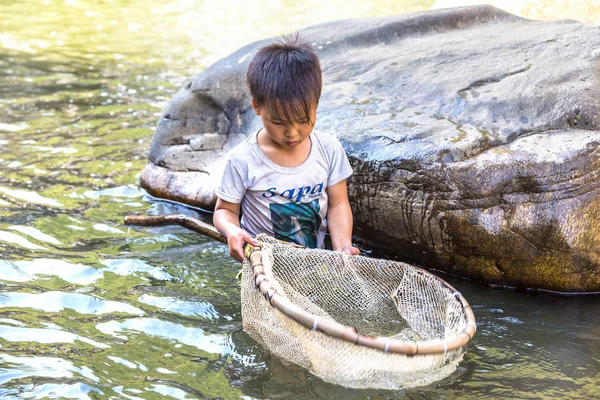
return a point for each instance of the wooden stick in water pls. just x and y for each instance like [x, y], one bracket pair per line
[191, 223]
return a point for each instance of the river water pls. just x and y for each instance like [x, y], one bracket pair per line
[90, 308]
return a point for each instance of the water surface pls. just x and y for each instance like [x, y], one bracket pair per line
[90, 308]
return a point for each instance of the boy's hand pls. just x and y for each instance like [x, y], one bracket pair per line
[227, 221]
[236, 241]
[350, 250]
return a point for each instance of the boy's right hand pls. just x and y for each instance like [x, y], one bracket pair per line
[236, 241]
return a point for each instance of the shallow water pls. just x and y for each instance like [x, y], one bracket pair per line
[90, 308]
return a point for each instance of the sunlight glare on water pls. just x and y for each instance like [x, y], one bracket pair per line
[90, 308]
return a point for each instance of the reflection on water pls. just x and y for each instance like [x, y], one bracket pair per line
[90, 308]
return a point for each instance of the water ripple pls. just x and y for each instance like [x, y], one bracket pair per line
[29, 197]
[57, 301]
[169, 391]
[49, 367]
[37, 335]
[121, 389]
[35, 233]
[11, 128]
[120, 191]
[56, 391]
[195, 308]
[107, 229]
[13, 238]
[125, 266]
[211, 343]
[126, 363]
[24, 271]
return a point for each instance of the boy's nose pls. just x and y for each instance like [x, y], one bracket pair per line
[291, 130]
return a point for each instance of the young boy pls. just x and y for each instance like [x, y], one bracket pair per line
[287, 180]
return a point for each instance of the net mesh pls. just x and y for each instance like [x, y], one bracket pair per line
[378, 297]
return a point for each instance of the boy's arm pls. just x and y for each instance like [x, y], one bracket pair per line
[339, 218]
[227, 221]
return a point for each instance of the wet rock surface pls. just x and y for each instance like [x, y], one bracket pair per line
[473, 135]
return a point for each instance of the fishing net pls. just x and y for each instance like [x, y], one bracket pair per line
[353, 321]
[408, 309]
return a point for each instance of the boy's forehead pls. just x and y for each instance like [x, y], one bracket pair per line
[282, 110]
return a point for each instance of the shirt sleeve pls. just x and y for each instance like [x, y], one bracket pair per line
[232, 187]
[339, 168]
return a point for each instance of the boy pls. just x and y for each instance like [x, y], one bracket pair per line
[288, 180]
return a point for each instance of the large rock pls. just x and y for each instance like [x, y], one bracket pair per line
[580, 10]
[473, 135]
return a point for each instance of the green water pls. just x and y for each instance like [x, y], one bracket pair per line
[90, 308]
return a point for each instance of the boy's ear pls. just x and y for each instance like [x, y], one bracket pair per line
[255, 106]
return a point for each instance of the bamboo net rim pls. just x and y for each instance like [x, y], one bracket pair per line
[311, 321]
[349, 334]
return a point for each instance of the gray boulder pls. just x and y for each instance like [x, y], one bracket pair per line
[473, 135]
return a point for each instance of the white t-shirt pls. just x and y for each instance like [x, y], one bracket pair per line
[286, 203]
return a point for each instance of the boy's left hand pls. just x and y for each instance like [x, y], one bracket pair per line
[350, 250]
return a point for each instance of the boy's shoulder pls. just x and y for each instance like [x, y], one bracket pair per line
[328, 142]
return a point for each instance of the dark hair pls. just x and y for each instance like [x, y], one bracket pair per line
[286, 76]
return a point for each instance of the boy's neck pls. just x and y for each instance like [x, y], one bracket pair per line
[284, 157]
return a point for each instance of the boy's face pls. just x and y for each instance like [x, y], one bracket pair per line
[287, 135]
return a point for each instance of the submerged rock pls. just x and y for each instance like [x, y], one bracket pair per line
[473, 135]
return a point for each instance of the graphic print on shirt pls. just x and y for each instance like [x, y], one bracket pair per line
[297, 222]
